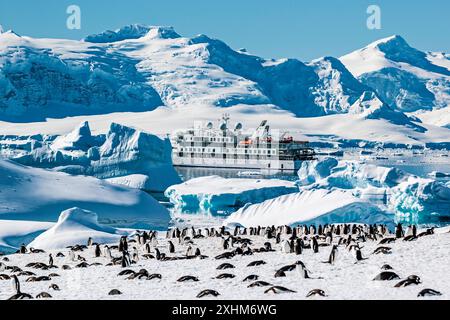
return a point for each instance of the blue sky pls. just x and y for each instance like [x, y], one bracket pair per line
[301, 29]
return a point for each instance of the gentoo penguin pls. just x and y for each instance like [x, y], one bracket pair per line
[332, 256]
[258, 283]
[97, 251]
[23, 249]
[386, 275]
[157, 254]
[316, 292]
[256, 263]
[114, 292]
[71, 255]
[148, 248]
[123, 244]
[125, 262]
[429, 293]
[188, 278]
[278, 289]
[43, 295]
[413, 279]
[251, 277]
[50, 260]
[399, 231]
[171, 247]
[286, 247]
[386, 267]
[54, 286]
[107, 252]
[224, 266]
[358, 255]
[225, 276]
[280, 274]
[19, 295]
[208, 292]
[90, 242]
[189, 251]
[298, 247]
[198, 253]
[383, 250]
[315, 245]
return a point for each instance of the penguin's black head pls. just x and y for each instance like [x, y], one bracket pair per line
[415, 278]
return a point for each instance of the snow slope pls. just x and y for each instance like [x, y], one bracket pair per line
[404, 77]
[75, 226]
[14, 233]
[216, 193]
[40, 195]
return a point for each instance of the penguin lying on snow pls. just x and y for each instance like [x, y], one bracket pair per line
[316, 292]
[208, 292]
[429, 293]
[279, 289]
[386, 275]
[413, 279]
[188, 278]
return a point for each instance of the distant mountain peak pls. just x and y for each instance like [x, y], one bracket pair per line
[133, 31]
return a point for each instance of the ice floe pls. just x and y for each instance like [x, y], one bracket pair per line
[216, 193]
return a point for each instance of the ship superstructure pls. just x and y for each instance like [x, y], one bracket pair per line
[230, 146]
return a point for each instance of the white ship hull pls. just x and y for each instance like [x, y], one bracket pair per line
[261, 164]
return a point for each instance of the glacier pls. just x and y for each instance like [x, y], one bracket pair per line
[215, 193]
[352, 191]
[121, 153]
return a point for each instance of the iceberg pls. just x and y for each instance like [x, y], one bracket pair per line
[123, 152]
[34, 194]
[310, 207]
[214, 193]
[409, 197]
[76, 226]
[351, 191]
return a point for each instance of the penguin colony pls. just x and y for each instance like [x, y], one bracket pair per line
[129, 255]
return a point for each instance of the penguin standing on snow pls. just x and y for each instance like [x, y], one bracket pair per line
[399, 231]
[19, 295]
[315, 245]
[298, 247]
[171, 247]
[97, 251]
[108, 252]
[332, 256]
[50, 260]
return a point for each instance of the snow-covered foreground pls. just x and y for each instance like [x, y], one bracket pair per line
[428, 257]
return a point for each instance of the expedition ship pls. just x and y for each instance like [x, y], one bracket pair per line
[225, 146]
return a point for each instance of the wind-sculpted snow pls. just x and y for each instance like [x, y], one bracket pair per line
[40, 195]
[73, 227]
[122, 152]
[214, 193]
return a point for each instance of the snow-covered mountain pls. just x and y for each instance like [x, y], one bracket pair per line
[137, 68]
[160, 81]
[404, 77]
